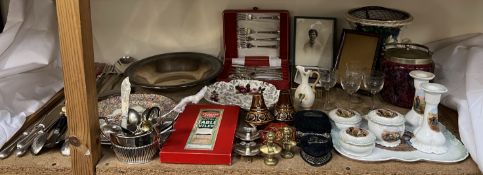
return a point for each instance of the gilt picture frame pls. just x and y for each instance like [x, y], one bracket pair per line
[358, 48]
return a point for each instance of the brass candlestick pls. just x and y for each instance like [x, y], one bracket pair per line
[270, 150]
[287, 143]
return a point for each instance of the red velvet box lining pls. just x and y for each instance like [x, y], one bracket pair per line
[231, 46]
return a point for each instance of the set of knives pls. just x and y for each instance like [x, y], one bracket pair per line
[49, 131]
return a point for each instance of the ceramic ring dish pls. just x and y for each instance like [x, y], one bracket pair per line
[344, 118]
[357, 141]
[402, 152]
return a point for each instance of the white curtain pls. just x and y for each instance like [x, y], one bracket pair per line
[459, 66]
[29, 54]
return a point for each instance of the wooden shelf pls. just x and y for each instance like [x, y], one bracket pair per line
[52, 162]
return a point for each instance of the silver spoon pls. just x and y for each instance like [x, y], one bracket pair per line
[108, 128]
[133, 120]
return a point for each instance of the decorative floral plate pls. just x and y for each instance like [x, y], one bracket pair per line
[111, 107]
[404, 152]
[239, 92]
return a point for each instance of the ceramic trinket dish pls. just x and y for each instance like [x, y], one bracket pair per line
[415, 115]
[428, 137]
[357, 141]
[344, 118]
[387, 125]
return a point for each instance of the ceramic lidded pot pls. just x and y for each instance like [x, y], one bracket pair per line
[357, 141]
[387, 125]
[258, 114]
[344, 118]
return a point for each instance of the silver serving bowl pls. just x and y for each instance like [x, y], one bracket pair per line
[174, 70]
[136, 155]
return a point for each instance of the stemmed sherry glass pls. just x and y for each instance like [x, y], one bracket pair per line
[351, 82]
[373, 82]
[327, 80]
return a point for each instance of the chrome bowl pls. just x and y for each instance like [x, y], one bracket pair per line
[174, 70]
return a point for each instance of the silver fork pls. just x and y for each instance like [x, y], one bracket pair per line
[244, 44]
[245, 16]
[249, 38]
[247, 31]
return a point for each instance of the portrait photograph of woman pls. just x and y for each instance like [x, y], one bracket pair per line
[314, 41]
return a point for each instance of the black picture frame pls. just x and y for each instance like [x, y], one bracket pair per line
[360, 48]
[324, 27]
[326, 31]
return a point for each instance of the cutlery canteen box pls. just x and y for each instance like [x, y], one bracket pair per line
[256, 45]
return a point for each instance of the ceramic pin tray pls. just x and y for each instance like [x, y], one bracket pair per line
[456, 150]
[111, 108]
[239, 92]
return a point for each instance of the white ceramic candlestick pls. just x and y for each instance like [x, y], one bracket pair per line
[415, 115]
[428, 137]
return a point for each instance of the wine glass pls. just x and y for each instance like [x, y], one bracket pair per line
[351, 82]
[373, 82]
[327, 81]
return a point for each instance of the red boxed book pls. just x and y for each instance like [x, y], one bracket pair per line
[257, 40]
[204, 134]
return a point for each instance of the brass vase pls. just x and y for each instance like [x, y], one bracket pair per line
[258, 114]
[284, 110]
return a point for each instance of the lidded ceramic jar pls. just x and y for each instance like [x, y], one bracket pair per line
[400, 59]
[387, 125]
[357, 141]
[344, 118]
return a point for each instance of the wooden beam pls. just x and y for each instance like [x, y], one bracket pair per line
[75, 33]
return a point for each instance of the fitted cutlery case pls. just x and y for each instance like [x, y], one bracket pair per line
[256, 46]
